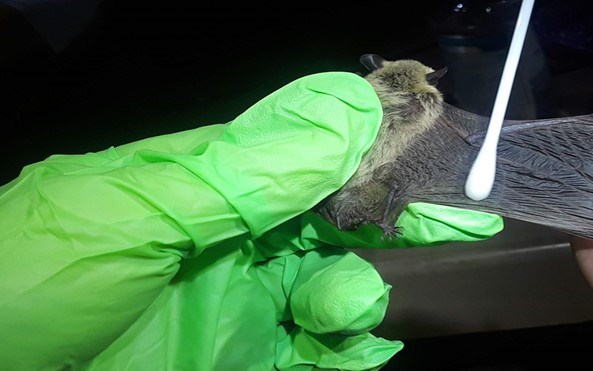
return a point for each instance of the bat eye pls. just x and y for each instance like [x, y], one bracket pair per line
[433, 77]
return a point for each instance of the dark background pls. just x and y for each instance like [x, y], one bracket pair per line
[144, 68]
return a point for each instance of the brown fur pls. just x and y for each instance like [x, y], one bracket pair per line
[410, 107]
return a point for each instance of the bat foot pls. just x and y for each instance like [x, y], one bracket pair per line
[390, 231]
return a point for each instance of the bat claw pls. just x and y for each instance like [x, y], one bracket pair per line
[390, 231]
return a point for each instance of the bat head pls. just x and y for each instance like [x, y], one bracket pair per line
[405, 75]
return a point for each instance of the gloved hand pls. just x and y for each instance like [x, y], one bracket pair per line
[303, 303]
[196, 250]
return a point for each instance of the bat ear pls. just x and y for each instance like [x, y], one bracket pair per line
[433, 77]
[372, 61]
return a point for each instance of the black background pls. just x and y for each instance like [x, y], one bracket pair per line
[145, 68]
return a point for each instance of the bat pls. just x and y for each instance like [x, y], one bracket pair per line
[425, 148]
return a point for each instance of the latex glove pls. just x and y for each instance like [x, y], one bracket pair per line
[89, 242]
[93, 274]
[349, 298]
[305, 303]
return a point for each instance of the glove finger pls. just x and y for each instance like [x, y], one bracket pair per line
[429, 224]
[336, 291]
[422, 224]
[300, 348]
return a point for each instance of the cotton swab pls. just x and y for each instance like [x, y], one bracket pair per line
[482, 173]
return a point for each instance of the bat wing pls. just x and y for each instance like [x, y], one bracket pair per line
[544, 169]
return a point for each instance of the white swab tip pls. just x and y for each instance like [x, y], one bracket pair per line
[481, 176]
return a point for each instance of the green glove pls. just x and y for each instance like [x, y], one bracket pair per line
[191, 250]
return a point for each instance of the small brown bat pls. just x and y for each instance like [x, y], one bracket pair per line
[425, 148]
